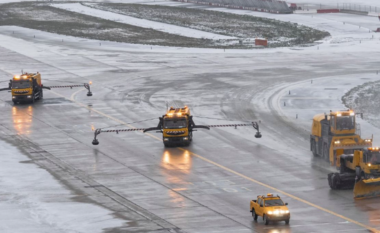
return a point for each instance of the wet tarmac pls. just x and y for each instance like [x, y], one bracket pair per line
[207, 186]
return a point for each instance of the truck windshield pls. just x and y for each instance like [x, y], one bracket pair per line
[20, 84]
[175, 123]
[274, 202]
[373, 157]
[345, 123]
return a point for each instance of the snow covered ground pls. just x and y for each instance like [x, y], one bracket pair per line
[310, 97]
[29, 209]
[336, 2]
[32, 200]
[318, 21]
[79, 8]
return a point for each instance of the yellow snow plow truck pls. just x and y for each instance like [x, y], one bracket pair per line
[28, 87]
[176, 126]
[336, 134]
[360, 170]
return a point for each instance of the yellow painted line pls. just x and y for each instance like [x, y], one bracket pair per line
[280, 191]
[230, 170]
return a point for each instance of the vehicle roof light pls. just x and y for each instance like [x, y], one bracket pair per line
[352, 113]
[339, 114]
[17, 76]
[270, 195]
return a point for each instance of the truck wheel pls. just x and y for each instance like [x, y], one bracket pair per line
[186, 144]
[314, 148]
[287, 221]
[14, 102]
[334, 180]
[254, 215]
[265, 219]
[166, 144]
[326, 152]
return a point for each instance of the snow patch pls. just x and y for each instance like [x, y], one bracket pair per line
[79, 8]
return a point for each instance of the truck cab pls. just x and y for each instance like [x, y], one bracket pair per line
[26, 88]
[335, 134]
[175, 127]
[270, 208]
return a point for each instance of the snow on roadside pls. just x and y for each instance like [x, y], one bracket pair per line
[334, 4]
[183, 31]
[29, 205]
[323, 94]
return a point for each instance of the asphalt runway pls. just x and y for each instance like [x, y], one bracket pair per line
[207, 186]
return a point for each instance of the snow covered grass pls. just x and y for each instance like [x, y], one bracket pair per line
[242, 28]
[43, 17]
[365, 99]
[245, 27]
[163, 27]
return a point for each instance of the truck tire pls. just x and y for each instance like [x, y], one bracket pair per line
[333, 179]
[14, 102]
[186, 144]
[265, 219]
[254, 215]
[41, 94]
[33, 99]
[343, 169]
[325, 152]
[314, 148]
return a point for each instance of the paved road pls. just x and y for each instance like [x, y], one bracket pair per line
[207, 186]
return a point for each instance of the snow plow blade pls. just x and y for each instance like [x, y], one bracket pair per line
[367, 188]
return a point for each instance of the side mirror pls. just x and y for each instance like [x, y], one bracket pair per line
[286, 203]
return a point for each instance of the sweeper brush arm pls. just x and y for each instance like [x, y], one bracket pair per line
[159, 128]
[85, 85]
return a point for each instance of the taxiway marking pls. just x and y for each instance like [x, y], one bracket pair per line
[72, 98]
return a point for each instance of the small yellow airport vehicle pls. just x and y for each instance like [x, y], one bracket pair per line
[271, 208]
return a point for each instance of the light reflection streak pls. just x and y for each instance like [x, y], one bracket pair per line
[22, 119]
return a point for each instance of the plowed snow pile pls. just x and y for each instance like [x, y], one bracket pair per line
[365, 99]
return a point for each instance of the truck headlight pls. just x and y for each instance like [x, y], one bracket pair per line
[13, 97]
[270, 212]
[286, 211]
[185, 138]
[166, 139]
[337, 142]
[29, 96]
